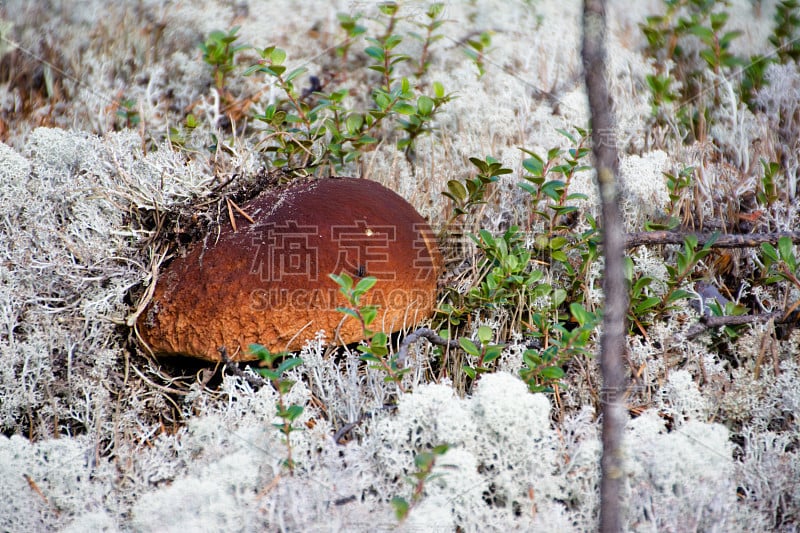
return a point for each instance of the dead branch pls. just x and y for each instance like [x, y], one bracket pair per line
[612, 342]
[750, 240]
[256, 382]
[709, 322]
[421, 333]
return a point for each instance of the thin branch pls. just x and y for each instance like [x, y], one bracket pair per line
[254, 381]
[612, 343]
[709, 322]
[421, 333]
[750, 240]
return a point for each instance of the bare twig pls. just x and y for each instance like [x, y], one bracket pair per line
[709, 322]
[350, 426]
[612, 344]
[240, 211]
[421, 333]
[254, 381]
[230, 214]
[750, 240]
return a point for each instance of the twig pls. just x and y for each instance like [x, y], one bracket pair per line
[230, 214]
[32, 484]
[612, 342]
[241, 212]
[708, 322]
[421, 333]
[347, 428]
[750, 240]
[254, 381]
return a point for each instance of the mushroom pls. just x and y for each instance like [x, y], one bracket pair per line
[268, 281]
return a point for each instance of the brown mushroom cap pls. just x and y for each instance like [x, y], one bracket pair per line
[268, 282]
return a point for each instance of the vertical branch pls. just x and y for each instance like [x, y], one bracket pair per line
[612, 343]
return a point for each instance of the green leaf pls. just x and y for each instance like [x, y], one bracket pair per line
[374, 52]
[288, 364]
[704, 33]
[534, 165]
[551, 373]
[770, 252]
[558, 297]
[484, 334]
[400, 507]
[252, 69]
[261, 352]
[350, 312]
[293, 74]
[277, 56]
[365, 284]
[581, 315]
[353, 123]
[293, 412]
[369, 313]
[438, 89]
[492, 353]
[646, 304]
[557, 243]
[469, 346]
[404, 108]
[344, 280]
[679, 294]
[269, 374]
[457, 190]
[425, 105]
[785, 249]
[568, 135]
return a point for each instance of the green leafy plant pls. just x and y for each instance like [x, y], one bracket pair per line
[294, 130]
[645, 305]
[274, 368]
[376, 350]
[179, 136]
[728, 309]
[128, 113]
[507, 278]
[686, 260]
[477, 49]
[767, 193]
[780, 263]
[785, 35]
[550, 197]
[219, 52]
[430, 37]
[692, 84]
[679, 186]
[472, 191]
[542, 367]
[305, 132]
[352, 29]
[485, 352]
[424, 463]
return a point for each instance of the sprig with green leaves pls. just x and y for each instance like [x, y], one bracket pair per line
[542, 367]
[434, 22]
[477, 49]
[424, 462]
[484, 352]
[472, 191]
[274, 367]
[220, 52]
[376, 350]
